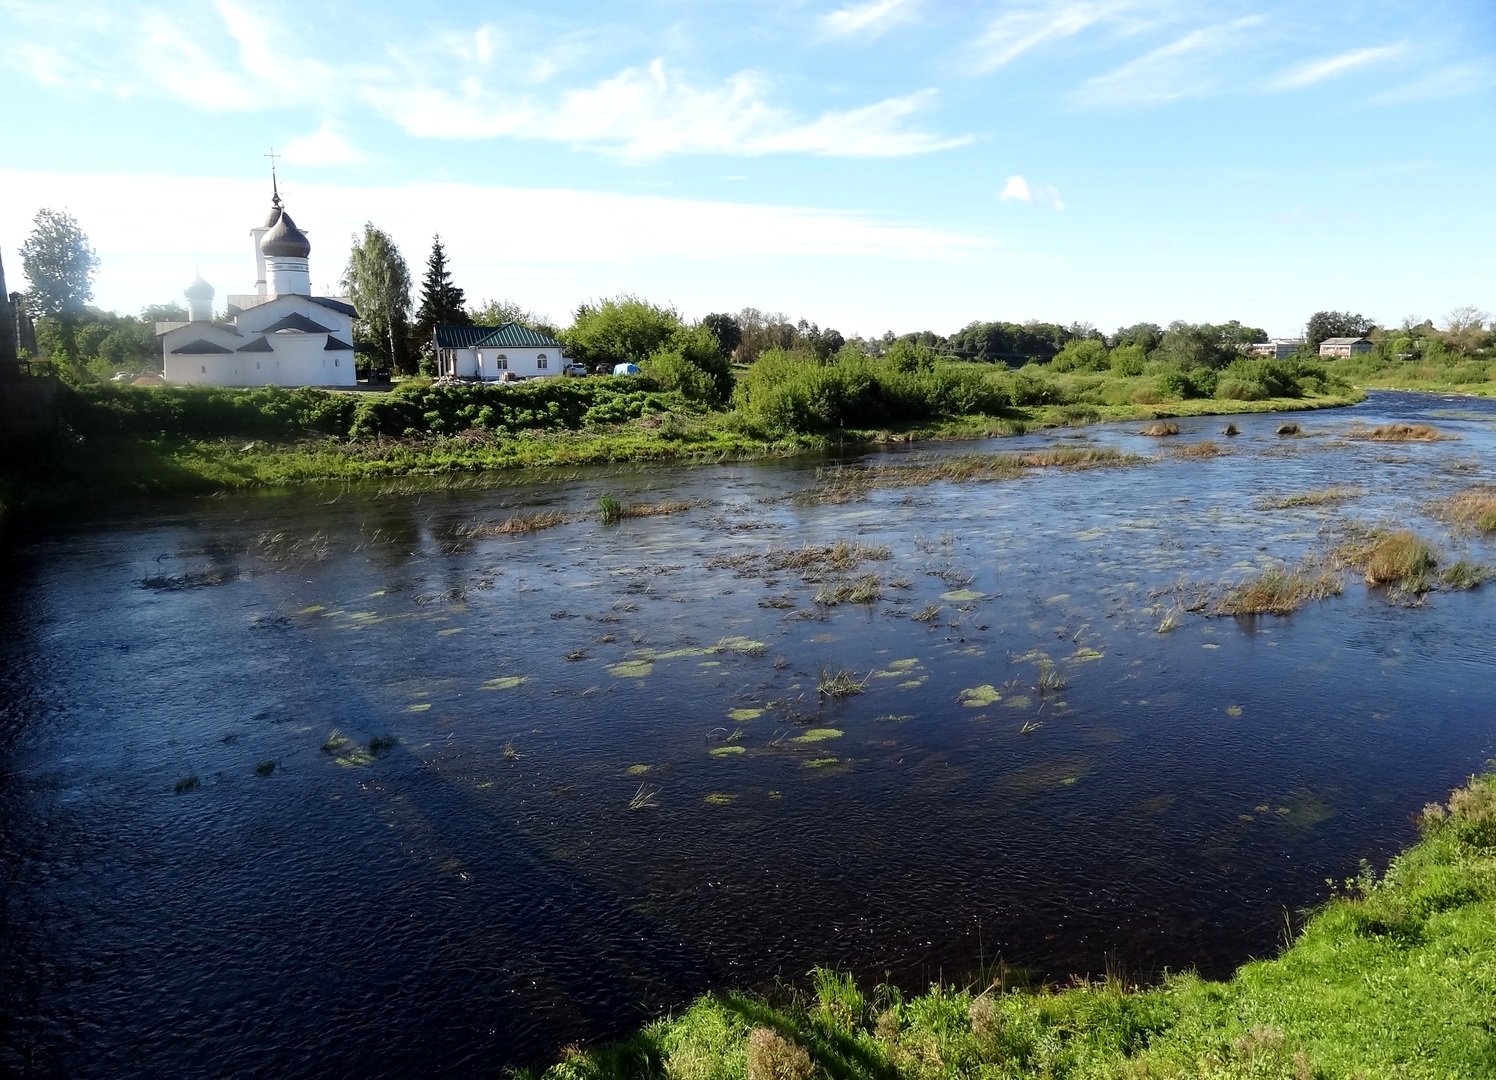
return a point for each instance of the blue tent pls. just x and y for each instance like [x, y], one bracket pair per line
[625, 369]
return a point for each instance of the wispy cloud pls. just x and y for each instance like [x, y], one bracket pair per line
[1449, 81]
[647, 113]
[1026, 28]
[1319, 70]
[869, 19]
[1181, 69]
[1017, 189]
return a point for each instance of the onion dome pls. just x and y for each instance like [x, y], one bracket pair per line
[274, 215]
[198, 290]
[285, 240]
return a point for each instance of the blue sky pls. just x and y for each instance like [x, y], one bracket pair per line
[870, 165]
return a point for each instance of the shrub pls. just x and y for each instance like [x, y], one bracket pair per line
[771, 1056]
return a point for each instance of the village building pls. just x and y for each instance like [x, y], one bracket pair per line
[279, 335]
[504, 353]
[1344, 346]
[1276, 349]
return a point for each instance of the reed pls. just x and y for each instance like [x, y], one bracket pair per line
[609, 510]
[1318, 497]
[1160, 428]
[1474, 508]
[516, 525]
[1400, 558]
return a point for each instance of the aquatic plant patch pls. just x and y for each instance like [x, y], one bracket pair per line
[1281, 590]
[1473, 508]
[1318, 497]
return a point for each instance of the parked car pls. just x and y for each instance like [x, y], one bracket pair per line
[574, 369]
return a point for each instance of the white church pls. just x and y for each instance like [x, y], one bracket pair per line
[279, 335]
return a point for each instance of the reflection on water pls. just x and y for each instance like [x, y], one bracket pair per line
[463, 796]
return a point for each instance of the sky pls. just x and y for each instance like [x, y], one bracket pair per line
[868, 165]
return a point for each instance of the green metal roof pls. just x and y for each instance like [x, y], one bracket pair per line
[509, 336]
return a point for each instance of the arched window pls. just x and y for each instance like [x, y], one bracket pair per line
[540, 362]
[501, 362]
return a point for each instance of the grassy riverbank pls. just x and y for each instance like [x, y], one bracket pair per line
[1393, 976]
[122, 445]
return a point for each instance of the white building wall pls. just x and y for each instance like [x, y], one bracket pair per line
[298, 359]
[489, 363]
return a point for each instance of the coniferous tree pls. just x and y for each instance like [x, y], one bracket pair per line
[442, 303]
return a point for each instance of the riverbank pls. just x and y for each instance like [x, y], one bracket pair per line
[83, 474]
[1394, 976]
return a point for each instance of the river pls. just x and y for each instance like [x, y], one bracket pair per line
[604, 776]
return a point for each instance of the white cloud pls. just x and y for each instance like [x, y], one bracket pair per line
[1453, 80]
[1319, 70]
[1017, 189]
[1184, 68]
[872, 18]
[325, 146]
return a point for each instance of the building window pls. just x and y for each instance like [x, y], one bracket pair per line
[540, 362]
[501, 362]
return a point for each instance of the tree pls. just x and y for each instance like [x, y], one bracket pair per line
[620, 330]
[1466, 329]
[442, 303]
[1328, 324]
[725, 329]
[499, 312]
[378, 283]
[1148, 336]
[60, 264]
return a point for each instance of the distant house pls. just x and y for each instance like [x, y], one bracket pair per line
[1279, 348]
[1344, 346]
[497, 353]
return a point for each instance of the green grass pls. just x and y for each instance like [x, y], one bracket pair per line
[1280, 590]
[1392, 977]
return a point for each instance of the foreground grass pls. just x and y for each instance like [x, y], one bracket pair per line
[1393, 977]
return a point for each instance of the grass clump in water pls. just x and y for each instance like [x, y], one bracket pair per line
[1464, 574]
[1474, 508]
[517, 524]
[1205, 448]
[1401, 560]
[1160, 429]
[839, 684]
[1280, 591]
[336, 740]
[186, 784]
[1318, 497]
[609, 510]
[1289, 429]
[1398, 433]
[265, 768]
[381, 745]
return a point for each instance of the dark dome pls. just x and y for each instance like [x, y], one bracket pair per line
[285, 240]
[272, 217]
[198, 290]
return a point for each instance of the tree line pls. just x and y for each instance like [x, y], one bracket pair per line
[396, 324]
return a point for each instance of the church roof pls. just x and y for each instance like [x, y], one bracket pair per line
[298, 322]
[285, 240]
[511, 335]
[336, 345]
[200, 347]
[340, 306]
[259, 344]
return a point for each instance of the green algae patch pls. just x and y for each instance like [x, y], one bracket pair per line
[354, 758]
[961, 596]
[638, 770]
[914, 684]
[449, 631]
[727, 751]
[979, 697]
[742, 716]
[505, 682]
[1233, 711]
[720, 798]
[632, 669]
[822, 762]
[420, 706]
[684, 652]
[736, 643]
[1083, 655]
[1019, 701]
[897, 669]
[818, 734]
[314, 609]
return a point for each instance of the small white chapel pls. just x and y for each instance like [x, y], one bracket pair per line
[279, 335]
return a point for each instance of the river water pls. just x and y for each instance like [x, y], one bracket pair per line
[607, 778]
